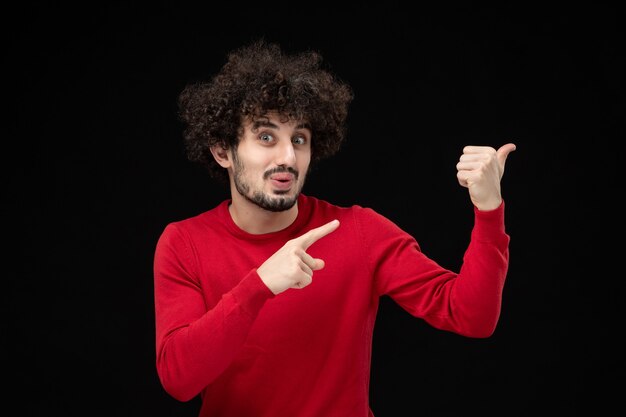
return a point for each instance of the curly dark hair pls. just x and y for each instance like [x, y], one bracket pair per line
[257, 79]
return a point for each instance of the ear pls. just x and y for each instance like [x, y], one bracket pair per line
[221, 155]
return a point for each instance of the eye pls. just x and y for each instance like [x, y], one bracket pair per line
[266, 137]
[299, 140]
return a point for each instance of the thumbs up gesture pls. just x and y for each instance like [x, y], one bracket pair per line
[480, 169]
[291, 266]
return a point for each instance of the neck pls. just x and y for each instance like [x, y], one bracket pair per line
[255, 220]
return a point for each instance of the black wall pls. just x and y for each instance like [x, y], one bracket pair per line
[94, 169]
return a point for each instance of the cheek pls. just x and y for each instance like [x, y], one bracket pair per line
[252, 163]
[304, 159]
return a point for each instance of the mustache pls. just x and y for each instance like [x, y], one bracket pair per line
[277, 170]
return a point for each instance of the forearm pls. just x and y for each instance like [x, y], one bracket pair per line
[193, 353]
[476, 297]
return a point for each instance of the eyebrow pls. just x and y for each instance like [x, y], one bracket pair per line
[263, 123]
[266, 123]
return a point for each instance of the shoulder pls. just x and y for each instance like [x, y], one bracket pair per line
[362, 215]
[198, 223]
[318, 205]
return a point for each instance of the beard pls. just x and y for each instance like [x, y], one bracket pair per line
[275, 203]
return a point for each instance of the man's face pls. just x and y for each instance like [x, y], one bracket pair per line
[271, 162]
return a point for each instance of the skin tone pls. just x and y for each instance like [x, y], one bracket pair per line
[267, 172]
[480, 169]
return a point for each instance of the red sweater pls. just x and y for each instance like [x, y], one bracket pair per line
[221, 333]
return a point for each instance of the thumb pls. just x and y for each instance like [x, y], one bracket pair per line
[504, 151]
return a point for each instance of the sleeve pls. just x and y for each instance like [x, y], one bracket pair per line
[194, 345]
[467, 302]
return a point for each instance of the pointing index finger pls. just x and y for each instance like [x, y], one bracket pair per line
[316, 234]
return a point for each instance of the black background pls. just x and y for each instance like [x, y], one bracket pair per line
[94, 170]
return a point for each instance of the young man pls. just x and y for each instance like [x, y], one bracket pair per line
[265, 305]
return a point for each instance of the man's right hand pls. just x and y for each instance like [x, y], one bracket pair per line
[291, 266]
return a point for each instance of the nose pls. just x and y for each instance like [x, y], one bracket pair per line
[285, 154]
